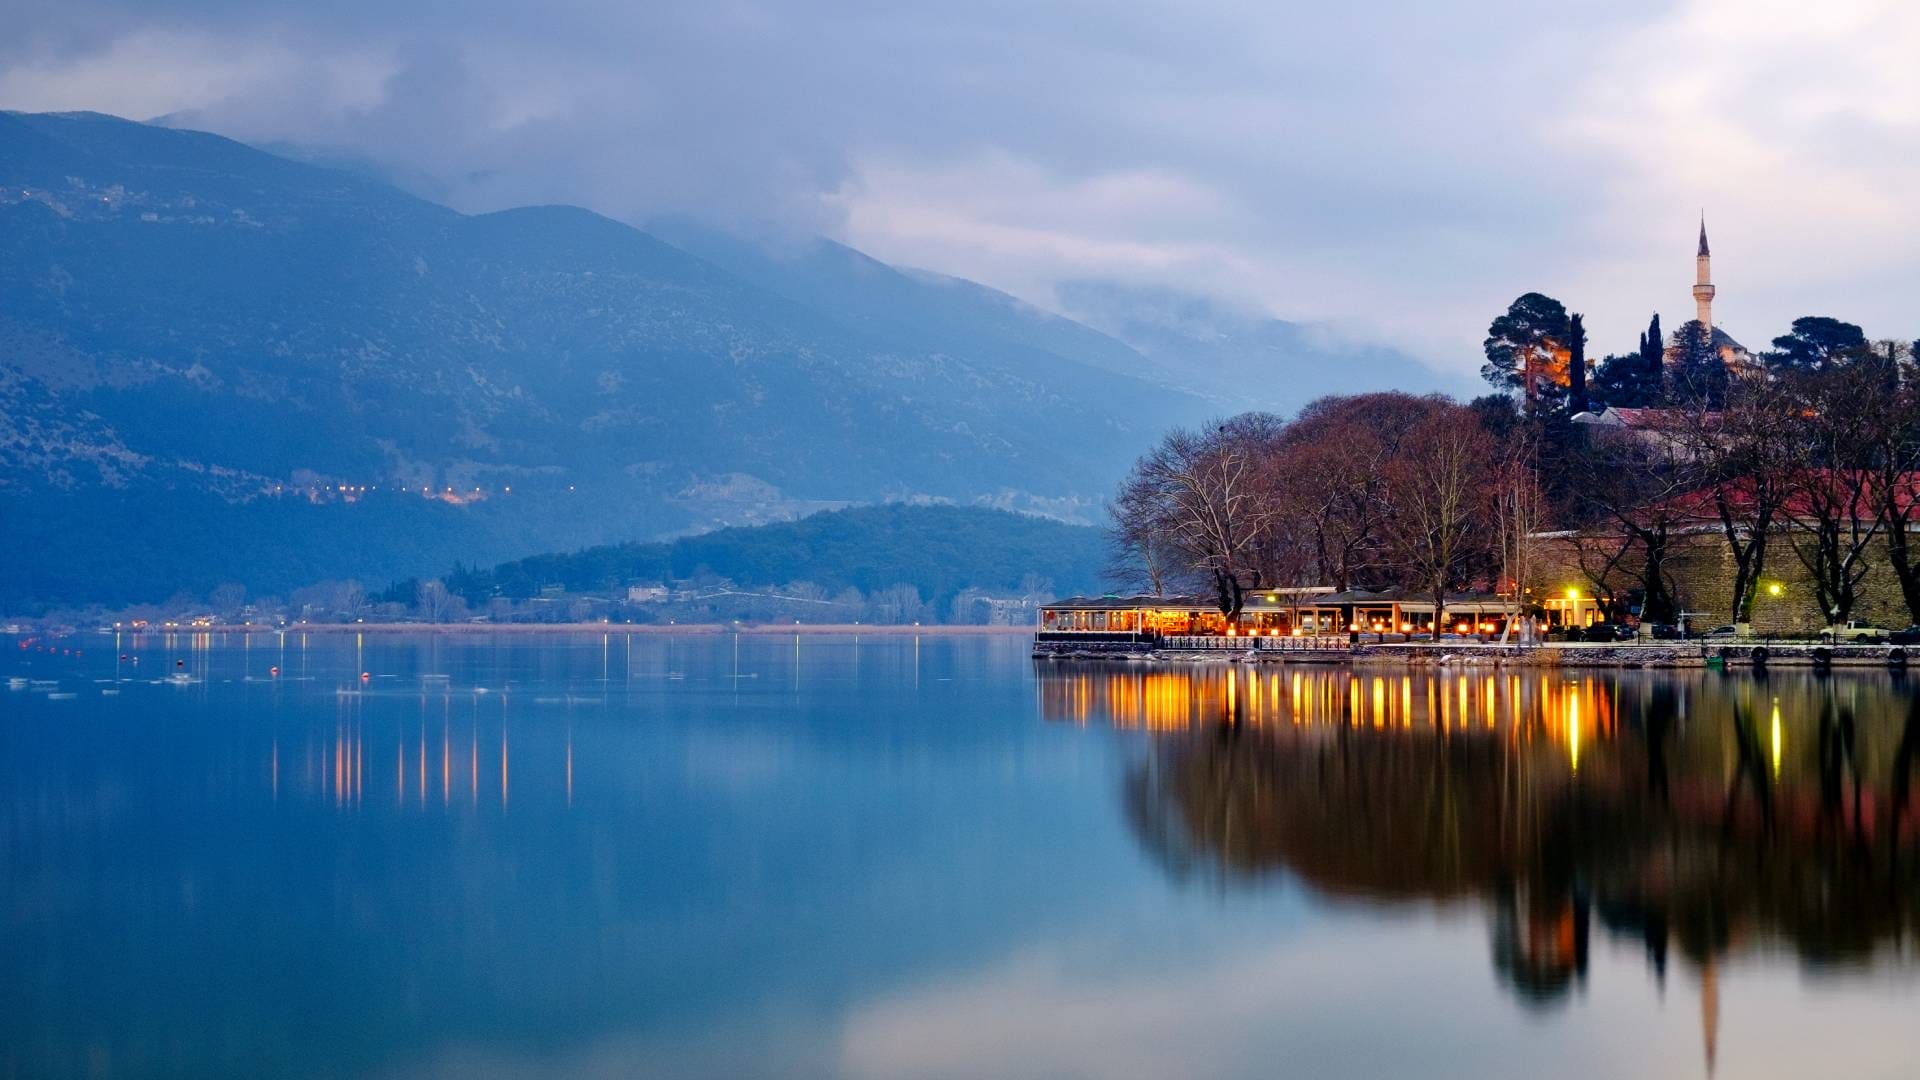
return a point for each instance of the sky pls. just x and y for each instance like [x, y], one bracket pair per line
[1401, 170]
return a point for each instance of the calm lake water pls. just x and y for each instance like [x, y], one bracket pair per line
[502, 856]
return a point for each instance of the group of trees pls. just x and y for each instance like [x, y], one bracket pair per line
[1816, 441]
[1537, 350]
[1357, 492]
[1814, 444]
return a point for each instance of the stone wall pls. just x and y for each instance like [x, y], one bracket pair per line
[1700, 566]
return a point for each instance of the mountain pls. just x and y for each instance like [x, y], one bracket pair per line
[1244, 361]
[938, 550]
[906, 305]
[218, 364]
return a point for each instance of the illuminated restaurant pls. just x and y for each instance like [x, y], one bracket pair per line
[1272, 613]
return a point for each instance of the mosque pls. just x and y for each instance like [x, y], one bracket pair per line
[1734, 354]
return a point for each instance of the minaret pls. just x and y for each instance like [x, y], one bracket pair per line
[1703, 280]
[1710, 1011]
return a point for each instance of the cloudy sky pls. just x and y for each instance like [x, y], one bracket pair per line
[1402, 169]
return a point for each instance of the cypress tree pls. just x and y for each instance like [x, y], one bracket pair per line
[1576, 365]
[1653, 348]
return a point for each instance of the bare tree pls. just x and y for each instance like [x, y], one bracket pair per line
[1332, 483]
[1635, 484]
[432, 600]
[1834, 512]
[1892, 437]
[347, 598]
[1518, 514]
[897, 604]
[1140, 550]
[1747, 458]
[1200, 492]
[1600, 554]
[1438, 490]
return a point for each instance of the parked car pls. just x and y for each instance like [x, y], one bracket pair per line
[1721, 633]
[1610, 631]
[1909, 636]
[1663, 631]
[1853, 630]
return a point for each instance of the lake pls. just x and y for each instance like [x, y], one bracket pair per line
[894, 857]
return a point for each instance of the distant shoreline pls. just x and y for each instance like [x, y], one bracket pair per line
[624, 629]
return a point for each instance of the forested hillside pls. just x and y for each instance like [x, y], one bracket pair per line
[938, 550]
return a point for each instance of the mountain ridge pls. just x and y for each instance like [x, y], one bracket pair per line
[217, 327]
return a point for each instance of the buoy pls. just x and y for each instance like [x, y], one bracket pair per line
[273, 671]
[179, 663]
[364, 676]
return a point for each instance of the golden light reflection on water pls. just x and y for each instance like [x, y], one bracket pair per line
[333, 760]
[1558, 708]
[1691, 814]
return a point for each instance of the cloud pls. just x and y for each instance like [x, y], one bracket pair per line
[1794, 127]
[1355, 997]
[1311, 1006]
[1399, 169]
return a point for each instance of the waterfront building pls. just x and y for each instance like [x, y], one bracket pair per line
[1301, 612]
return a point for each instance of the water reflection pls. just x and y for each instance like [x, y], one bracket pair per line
[871, 858]
[1703, 817]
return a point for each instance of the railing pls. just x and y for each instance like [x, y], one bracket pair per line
[1251, 643]
[1196, 642]
[1097, 637]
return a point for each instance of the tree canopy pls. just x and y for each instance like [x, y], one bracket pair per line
[1526, 347]
[1815, 343]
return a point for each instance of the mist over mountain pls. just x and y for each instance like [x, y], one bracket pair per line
[952, 314]
[1242, 360]
[219, 364]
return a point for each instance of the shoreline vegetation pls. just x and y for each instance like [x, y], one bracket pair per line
[894, 563]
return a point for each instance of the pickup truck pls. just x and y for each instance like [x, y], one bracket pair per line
[1853, 630]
